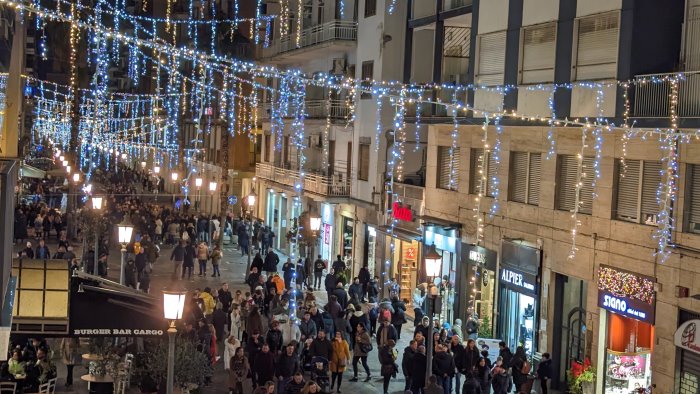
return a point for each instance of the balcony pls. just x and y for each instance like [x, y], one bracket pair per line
[652, 100]
[315, 109]
[329, 186]
[453, 4]
[336, 34]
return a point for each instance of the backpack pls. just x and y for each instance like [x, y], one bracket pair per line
[525, 369]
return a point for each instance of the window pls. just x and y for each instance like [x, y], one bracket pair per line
[539, 46]
[487, 166]
[637, 183]
[268, 147]
[525, 176]
[596, 48]
[363, 165]
[694, 198]
[447, 164]
[566, 188]
[491, 58]
[370, 8]
[367, 77]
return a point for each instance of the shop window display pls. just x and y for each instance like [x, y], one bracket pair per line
[628, 355]
[519, 324]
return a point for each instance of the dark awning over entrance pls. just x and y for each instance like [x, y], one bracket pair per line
[100, 307]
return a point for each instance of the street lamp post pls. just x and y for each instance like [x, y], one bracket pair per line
[173, 305]
[156, 171]
[174, 176]
[433, 262]
[97, 205]
[198, 184]
[212, 189]
[125, 231]
[251, 203]
[315, 226]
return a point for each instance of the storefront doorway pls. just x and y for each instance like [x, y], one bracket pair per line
[371, 248]
[569, 337]
[480, 290]
[687, 341]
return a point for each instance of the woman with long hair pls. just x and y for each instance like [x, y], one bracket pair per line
[339, 359]
[363, 345]
[311, 388]
[239, 368]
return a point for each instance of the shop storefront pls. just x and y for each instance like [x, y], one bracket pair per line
[271, 208]
[347, 235]
[326, 236]
[627, 301]
[479, 280]
[569, 334]
[446, 241]
[518, 296]
[687, 341]
[370, 248]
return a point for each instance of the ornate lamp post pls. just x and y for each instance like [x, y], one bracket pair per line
[97, 205]
[125, 231]
[173, 305]
[250, 200]
[433, 266]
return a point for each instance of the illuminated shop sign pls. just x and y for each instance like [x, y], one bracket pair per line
[520, 281]
[402, 212]
[626, 293]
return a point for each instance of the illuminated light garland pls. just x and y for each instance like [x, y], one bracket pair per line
[453, 146]
[496, 154]
[626, 285]
[400, 132]
[551, 152]
[481, 170]
[580, 175]
[378, 121]
[326, 135]
[417, 125]
[392, 7]
[299, 18]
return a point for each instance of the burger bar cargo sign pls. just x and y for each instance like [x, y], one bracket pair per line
[687, 336]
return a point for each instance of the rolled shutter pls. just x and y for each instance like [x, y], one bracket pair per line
[363, 165]
[492, 173]
[455, 158]
[518, 177]
[492, 57]
[650, 185]
[539, 45]
[628, 190]
[598, 37]
[533, 191]
[443, 170]
[567, 182]
[475, 160]
[695, 195]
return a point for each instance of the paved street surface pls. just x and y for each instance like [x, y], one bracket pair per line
[232, 271]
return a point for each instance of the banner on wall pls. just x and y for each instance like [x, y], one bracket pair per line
[687, 337]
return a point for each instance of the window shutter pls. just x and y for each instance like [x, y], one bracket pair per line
[363, 173]
[492, 56]
[518, 177]
[539, 44]
[443, 170]
[628, 190]
[475, 159]
[533, 191]
[695, 195]
[492, 175]
[598, 38]
[650, 185]
[455, 165]
[586, 197]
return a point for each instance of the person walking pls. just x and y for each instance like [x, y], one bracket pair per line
[409, 354]
[238, 371]
[216, 256]
[387, 358]
[287, 365]
[70, 352]
[231, 345]
[340, 357]
[544, 372]
[418, 368]
[519, 368]
[499, 377]
[443, 368]
[264, 365]
[398, 318]
[271, 261]
[202, 257]
[177, 257]
[319, 266]
[362, 347]
[188, 262]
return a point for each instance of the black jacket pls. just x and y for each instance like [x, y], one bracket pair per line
[398, 317]
[407, 361]
[330, 282]
[507, 357]
[274, 339]
[443, 364]
[471, 360]
[544, 369]
[363, 276]
[342, 296]
[264, 365]
[271, 261]
[418, 369]
[392, 334]
[287, 365]
[321, 348]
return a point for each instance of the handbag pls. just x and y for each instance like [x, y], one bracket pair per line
[366, 347]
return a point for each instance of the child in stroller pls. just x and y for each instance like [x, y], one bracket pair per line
[320, 372]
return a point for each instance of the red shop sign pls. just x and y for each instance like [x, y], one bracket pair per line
[411, 253]
[401, 212]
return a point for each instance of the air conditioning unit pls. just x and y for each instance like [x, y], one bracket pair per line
[338, 66]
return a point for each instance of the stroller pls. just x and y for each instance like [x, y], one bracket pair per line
[319, 373]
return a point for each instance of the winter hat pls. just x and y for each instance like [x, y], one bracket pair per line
[458, 322]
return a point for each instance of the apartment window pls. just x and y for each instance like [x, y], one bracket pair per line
[447, 165]
[538, 53]
[597, 40]
[637, 182]
[694, 198]
[480, 165]
[491, 57]
[566, 188]
[370, 8]
[367, 77]
[525, 177]
[363, 163]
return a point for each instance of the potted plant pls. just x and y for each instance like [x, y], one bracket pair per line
[192, 367]
[581, 377]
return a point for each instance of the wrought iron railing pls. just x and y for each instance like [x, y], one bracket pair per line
[653, 99]
[332, 186]
[329, 31]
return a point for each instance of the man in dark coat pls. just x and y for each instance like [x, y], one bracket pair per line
[407, 363]
[264, 366]
[271, 261]
[356, 293]
[341, 294]
[339, 265]
[443, 367]
[418, 368]
[287, 365]
[364, 278]
[321, 346]
[330, 282]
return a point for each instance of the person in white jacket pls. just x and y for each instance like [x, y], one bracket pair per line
[290, 332]
[232, 343]
[236, 329]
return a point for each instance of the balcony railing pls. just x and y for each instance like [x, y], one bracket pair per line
[452, 4]
[315, 109]
[331, 186]
[330, 31]
[653, 99]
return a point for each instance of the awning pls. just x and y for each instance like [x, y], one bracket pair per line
[399, 233]
[99, 307]
[27, 171]
[435, 221]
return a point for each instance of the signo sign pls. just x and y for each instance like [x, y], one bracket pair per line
[402, 212]
[686, 336]
[627, 293]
